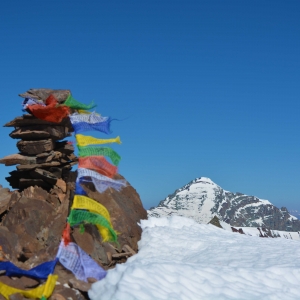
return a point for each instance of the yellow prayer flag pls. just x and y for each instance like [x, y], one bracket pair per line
[38, 292]
[83, 202]
[104, 232]
[85, 140]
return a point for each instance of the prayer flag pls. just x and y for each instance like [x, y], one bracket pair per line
[100, 126]
[66, 237]
[78, 189]
[72, 103]
[77, 217]
[86, 140]
[40, 272]
[98, 164]
[73, 258]
[44, 290]
[104, 151]
[30, 101]
[83, 202]
[87, 117]
[101, 182]
[51, 112]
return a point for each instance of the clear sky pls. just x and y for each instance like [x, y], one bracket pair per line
[202, 88]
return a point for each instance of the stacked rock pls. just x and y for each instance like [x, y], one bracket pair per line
[44, 160]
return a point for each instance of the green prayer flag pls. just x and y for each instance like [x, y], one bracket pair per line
[77, 217]
[96, 150]
[71, 102]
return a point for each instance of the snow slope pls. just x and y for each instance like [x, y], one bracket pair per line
[202, 199]
[181, 259]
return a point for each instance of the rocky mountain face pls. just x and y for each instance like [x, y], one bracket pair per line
[202, 199]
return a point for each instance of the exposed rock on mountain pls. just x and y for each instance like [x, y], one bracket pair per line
[5, 196]
[202, 199]
[215, 221]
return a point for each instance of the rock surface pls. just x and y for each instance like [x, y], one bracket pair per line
[40, 132]
[27, 120]
[215, 221]
[35, 147]
[43, 94]
[5, 196]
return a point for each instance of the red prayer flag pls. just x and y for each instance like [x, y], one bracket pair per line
[51, 112]
[98, 164]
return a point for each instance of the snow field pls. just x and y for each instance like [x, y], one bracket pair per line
[181, 259]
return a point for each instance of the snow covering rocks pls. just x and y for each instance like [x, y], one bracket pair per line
[259, 231]
[202, 199]
[181, 259]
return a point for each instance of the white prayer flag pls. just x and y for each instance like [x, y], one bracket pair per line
[88, 118]
[100, 181]
[73, 258]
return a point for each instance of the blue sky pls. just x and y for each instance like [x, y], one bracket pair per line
[202, 88]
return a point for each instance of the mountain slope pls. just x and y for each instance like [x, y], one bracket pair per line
[202, 199]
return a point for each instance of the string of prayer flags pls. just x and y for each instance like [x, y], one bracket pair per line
[77, 217]
[103, 151]
[72, 103]
[100, 126]
[42, 291]
[51, 112]
[101, 182]
[98, 164]
[83, 202]
[86, 140]
[87, 117]
[93, 167]
[40, 272]
[73, 258]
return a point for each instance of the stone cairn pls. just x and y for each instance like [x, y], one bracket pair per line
[44, 160]
[33, 216]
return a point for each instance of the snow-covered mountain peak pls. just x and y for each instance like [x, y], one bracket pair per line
[202, 199]
[198, 183]
[204, 180]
